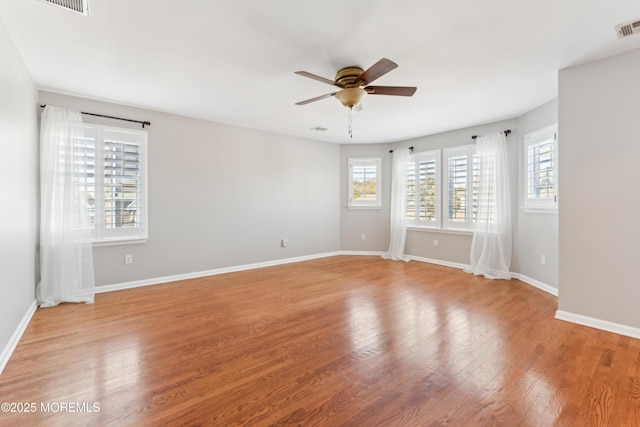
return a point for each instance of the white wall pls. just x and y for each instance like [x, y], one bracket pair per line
[599, 145]
[537, 233]
[222, 196]
[18, 190]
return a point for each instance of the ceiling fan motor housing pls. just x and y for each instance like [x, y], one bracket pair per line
[347, 76]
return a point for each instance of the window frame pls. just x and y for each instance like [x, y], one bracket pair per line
[537, 138]
[467, 151]
[101, 235]
[353, 202]
[416, 159]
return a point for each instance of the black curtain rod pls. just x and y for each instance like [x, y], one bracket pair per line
[410, 149]
[143, 123]
[506, 133]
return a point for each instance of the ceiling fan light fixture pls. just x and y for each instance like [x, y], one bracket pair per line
[351, 97]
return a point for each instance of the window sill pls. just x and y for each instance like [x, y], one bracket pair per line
[439, 230]
[534, 210]
[363, 207]
[119, 242]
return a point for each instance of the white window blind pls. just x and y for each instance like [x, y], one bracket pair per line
[476, 180]
[84, 177]
[540, 165]
[423, 190]
[460, 187]
[364, 183]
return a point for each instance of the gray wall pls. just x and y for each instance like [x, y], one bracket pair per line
[373, 223]
[453, 247]
[537, 233]
[18, 189]
[599, 144]
[222, 196]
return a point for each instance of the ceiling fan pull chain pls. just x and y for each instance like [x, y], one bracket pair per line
[350, 122]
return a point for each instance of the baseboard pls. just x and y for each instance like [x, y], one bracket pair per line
[604, 325]
[214, 272]
[535, 283]
[17, 334]
[361, 253]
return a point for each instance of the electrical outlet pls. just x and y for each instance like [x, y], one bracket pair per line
[283, 243]
[543, 259]
[435, 242]
[362, 237]
[128, 259]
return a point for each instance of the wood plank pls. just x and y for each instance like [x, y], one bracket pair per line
[337, 341]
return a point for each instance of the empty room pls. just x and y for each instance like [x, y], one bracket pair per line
[363, 213]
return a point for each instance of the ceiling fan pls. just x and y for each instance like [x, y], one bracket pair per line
[351, 79]
[354, 82]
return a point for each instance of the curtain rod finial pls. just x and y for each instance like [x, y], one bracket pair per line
[506, 133]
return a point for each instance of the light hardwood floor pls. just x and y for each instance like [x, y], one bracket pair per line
[355, 341]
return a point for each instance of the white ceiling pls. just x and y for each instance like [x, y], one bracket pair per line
[234, 61]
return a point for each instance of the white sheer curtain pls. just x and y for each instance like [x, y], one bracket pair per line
[398, 205]
[491, 245]
[66, 256]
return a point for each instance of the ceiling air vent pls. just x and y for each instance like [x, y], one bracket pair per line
[625, 30]
[79, 6]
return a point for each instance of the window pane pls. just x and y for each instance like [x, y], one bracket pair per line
[77, 164]
[364, 182]
[87, 173]
[457, 182]
[121, 182]
[428, 190]
[476, 181]
[411, 191]
[422, 189]
[540, 170]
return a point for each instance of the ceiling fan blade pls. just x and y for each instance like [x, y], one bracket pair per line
[391, 90]
[314, 77]
[317, 98]
[376, 71]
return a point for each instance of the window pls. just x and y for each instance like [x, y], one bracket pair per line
[116, 179]
[423, 190]
[461, 187]
[364, 183]
[540, 166]
[452, 205]
[447, 196]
